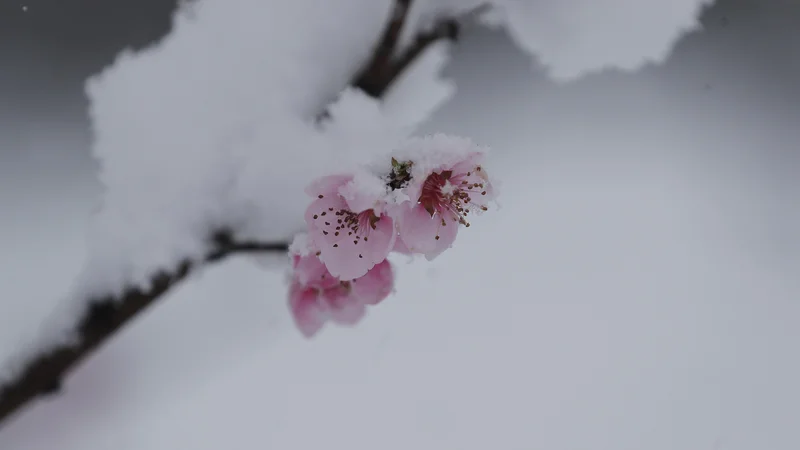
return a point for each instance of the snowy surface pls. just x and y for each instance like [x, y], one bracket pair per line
[638, 289]
[575, 37]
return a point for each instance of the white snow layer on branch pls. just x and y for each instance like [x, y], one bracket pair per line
[575, 37]
[419, 91]
[214, 127]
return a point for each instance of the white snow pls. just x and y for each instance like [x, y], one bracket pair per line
[189, 133]
[421, 90]
[575, 37]
[215, 127]
[638, 289]
[432, 152]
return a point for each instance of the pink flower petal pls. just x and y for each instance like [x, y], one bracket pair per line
[401, 247]
[376, 285]
[309, 271]
[364, 192]
[306, 311]
[322, 220]
[468, 164]
[419, 232]
[413, 190]
[352, 258]
[343, 307]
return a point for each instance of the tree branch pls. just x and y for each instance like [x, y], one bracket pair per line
[104, 316]
[387, 63]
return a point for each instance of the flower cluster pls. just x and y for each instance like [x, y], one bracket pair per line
[429, 189]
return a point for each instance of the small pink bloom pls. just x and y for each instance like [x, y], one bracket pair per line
[307, 313]
[309, 271]
[348, 242]
[312, 307]
[401, 247]
[376, 285]
[443, 200]
[316, 296]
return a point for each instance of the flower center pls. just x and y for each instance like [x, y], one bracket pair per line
[400, 175]
[454, 196]
[355, 225]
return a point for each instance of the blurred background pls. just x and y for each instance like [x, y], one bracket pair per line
[650, 234]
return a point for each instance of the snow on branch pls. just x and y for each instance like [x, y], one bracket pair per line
[103, 317]
[386, 64]
[573, 38]
[207, 141]
[109, 300]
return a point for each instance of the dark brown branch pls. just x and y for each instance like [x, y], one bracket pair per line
[388, 62]
[104, 316]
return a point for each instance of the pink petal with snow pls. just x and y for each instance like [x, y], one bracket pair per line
[467, 164]
[310, 271]
[362, 194]
[427, 235]
[328, 185]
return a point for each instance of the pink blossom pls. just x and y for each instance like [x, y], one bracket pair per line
[442, 199]
[316, 296]
[349, 242]
[401, 247]
[376, 285]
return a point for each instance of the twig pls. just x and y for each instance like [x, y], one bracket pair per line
[104, 316]
[387, 63]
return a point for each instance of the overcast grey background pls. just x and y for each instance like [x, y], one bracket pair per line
[49, 48]
[660, 312]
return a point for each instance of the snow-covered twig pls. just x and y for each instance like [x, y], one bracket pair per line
[104, 316]
[387, 63]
